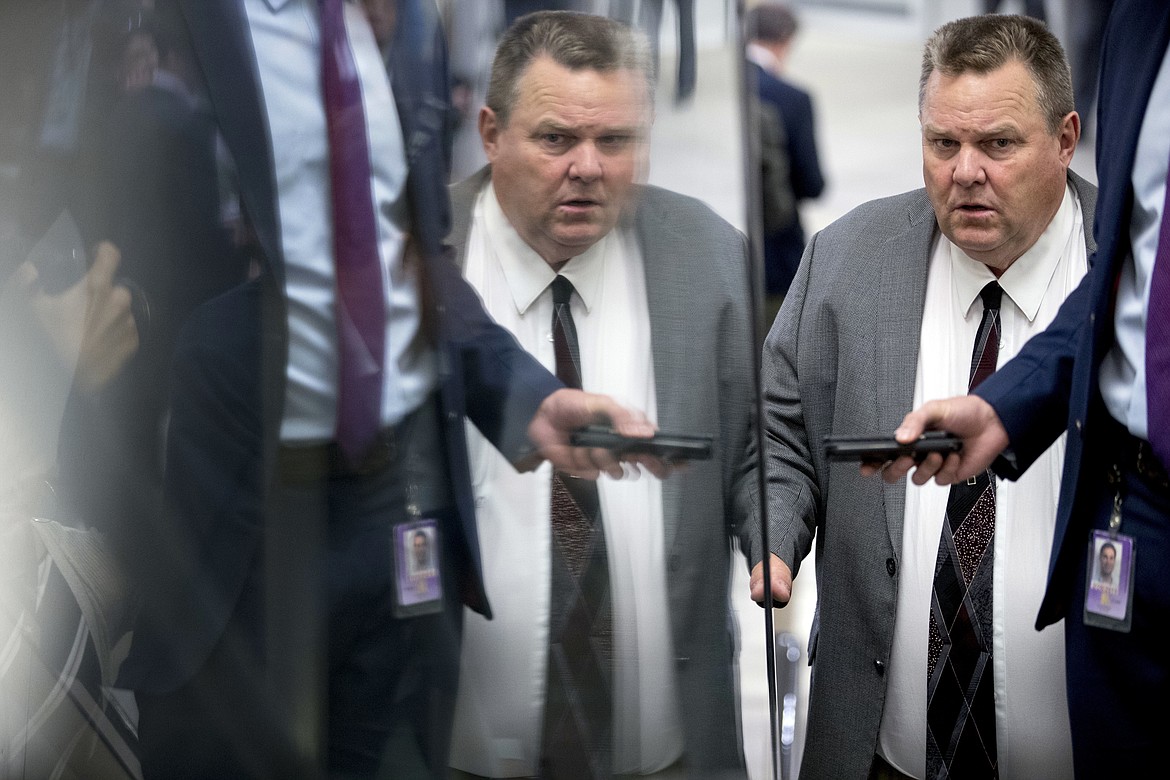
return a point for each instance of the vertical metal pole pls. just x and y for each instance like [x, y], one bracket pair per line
[751, 163]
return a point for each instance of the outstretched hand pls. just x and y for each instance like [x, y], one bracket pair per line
[568, 410]
[967, 416]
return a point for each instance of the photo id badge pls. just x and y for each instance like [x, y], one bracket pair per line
[417, 579]
[1109, 579]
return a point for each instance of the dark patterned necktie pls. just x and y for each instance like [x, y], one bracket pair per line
[960, 717]
[361, 301]
[577, 736]
[1158, 342]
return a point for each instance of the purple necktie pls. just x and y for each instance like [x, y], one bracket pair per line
[360, 305]
[1158, 342]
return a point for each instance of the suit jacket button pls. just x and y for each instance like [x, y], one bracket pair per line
[880, 665]
[891, 567]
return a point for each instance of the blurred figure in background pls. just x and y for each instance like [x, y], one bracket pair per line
[514, 9]
[1086, 23]
[1033, 8]
[646, 15]
[770, 28]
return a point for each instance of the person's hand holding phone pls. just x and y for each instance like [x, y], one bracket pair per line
[874, 452]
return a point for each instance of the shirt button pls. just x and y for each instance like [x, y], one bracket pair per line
[891, 567]
[880, 665]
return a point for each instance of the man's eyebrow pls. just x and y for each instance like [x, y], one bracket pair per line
[550, 126]
[997, 131]
[623, 130]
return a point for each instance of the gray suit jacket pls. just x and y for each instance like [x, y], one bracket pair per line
[841, 358]
[697, 285]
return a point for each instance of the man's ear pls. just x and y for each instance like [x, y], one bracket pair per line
[489, 132]
[1069, 135]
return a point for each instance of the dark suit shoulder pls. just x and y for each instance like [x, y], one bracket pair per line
[784, 93]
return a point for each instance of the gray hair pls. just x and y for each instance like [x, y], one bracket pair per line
[981, 44]
[577, 41]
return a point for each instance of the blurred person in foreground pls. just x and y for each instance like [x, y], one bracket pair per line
[54, 341]
[655, 285]
[900, 299]
[315, 413]
[1101, 374]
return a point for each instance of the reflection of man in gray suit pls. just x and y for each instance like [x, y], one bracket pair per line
[660, 310]
[883, 312]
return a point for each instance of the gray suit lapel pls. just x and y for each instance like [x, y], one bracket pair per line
[906, 259]
[462, 202]
[667, 263]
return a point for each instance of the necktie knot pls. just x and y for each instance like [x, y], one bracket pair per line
[991, 294]
[562, 290]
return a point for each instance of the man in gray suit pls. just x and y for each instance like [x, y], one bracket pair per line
[883, 313]
[659, 304]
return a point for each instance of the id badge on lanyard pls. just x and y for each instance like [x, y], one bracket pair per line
[1109, 570]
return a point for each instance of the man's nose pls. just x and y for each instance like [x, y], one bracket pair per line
[969, 167]
[586, 163]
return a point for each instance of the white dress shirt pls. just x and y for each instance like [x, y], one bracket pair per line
[763, 57]
[1123, 372]
[1032, 730]
[502, 678]
[286, 38]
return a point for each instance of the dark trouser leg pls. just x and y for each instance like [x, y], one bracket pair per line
[220, 723]
[392, 680]
[1115, 680]
[314, 668]
[686, 49]
[650, 19]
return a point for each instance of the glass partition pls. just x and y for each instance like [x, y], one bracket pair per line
[196, 564]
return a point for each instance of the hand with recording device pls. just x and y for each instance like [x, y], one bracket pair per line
[967, 416]
[91, 324]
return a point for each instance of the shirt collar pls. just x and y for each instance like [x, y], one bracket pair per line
[762, 57]
[527, 273]
[1026, 280]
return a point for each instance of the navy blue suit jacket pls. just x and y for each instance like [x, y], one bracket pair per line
[1051, 386]
[230, 356]
[783, 249]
